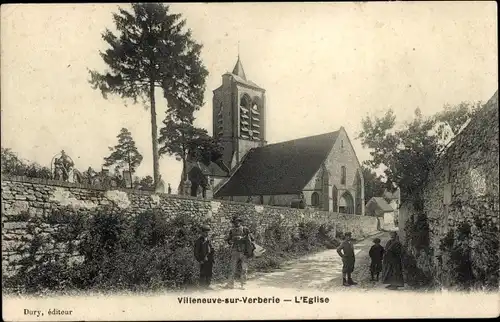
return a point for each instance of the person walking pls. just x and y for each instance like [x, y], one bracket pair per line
[392, 273]
[240, 239]
[346, 252]
[204, 254]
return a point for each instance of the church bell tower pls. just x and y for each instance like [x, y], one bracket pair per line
[239, 107]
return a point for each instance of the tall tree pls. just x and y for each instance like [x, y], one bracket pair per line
[181, 139]
[124, 154]
[150, 50]
[407, 154]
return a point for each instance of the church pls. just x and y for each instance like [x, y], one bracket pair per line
[319, 172]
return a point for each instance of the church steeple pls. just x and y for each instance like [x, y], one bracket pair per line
[238, 69]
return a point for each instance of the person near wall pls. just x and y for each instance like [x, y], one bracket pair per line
[376, 255]
[346, 252]
[241, 241]
[392, 272]
[204, 254]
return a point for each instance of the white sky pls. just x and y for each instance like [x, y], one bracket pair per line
[323, 66]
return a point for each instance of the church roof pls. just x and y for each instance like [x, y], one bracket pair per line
[280, 168]
[238, 69]
[240, 80]
[239, 75]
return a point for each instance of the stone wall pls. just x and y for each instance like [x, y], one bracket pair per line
[463, 189]
[25, 199]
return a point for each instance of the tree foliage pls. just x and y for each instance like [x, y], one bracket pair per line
[152, 49]
[145, 183]
[182, 139]
[177, 137]
[11, 164]
[407, 153]
[374, 185]
[125, 153]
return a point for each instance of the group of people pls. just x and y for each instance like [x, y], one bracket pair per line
[387, 261]
[242, 245]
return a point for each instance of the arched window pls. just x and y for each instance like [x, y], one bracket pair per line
[315, 199]
[343, 174]
[245, 121]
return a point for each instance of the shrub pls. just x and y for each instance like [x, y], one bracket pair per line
[147, 251]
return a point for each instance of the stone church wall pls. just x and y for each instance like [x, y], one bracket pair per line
[25, 199]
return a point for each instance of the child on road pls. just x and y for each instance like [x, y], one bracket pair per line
[376, 254]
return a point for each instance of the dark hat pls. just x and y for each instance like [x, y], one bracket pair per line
[376, 240]
[205, 228]
[348, 234]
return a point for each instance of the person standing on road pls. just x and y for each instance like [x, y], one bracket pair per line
[392, 273]
[204, 254]
[346, 252]
[376, 254]
[241, 240]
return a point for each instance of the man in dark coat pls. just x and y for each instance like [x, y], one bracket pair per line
[346, 252]
[392, 273]
[204, 254]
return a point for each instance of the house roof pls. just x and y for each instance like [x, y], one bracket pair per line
[215, 170]
[381, 204]
[280, 168]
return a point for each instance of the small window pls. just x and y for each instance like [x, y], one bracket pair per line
[343, 175]
[342, 144]
[315, 199]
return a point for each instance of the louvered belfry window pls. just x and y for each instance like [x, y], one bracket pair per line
[245, 121]
[250, 118]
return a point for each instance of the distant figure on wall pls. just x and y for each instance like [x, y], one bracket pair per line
[62, 167]
[169, 189]
[90, 174]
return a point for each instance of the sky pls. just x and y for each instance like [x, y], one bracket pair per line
[323, 65]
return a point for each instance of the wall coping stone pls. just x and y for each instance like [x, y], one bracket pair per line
[56, 183]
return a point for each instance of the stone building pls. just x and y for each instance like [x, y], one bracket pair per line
[462, 188]
[394, 200]
[380, 208]
[323, 170]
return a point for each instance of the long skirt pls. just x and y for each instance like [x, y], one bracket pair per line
[392, 271]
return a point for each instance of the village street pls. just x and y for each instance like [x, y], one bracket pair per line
[321, 271]
[290, 291]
